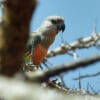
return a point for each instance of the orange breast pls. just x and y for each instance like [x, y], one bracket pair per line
[39, 54]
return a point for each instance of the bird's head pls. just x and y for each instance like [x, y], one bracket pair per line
[57, 21]
[54, 23]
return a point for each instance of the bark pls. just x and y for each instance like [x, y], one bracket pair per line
[14, 31]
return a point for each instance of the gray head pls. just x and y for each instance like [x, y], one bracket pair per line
[56, 21]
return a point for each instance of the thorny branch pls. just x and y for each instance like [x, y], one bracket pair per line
[78, 44]
[87, 76]
[56, 70]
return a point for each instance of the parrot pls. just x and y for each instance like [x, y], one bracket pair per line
[43, 38]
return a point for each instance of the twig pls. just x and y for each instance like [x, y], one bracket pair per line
[80, 83]
[93, 90]
[78, 44]
[56, 70]
[87, 76]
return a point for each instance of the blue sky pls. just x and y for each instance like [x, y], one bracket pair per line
[79, 17]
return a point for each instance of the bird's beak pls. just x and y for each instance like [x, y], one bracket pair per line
[61, 27]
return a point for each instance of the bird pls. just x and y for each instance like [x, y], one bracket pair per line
[43, 38]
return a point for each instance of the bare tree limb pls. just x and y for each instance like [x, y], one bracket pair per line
[11, 89]
[56, 70]
[14, 31]
[87, 76]
[78, 44]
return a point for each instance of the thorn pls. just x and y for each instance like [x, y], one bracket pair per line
[75, 55]
[62, 38]
[94, 27]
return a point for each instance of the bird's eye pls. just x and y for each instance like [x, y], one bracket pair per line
[54, 21]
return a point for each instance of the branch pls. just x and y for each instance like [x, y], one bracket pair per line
[87, 76]
[78, 44]
[12, 89]
[14, 31]
[56, 70]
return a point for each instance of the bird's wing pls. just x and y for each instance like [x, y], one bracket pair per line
[34, 39]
